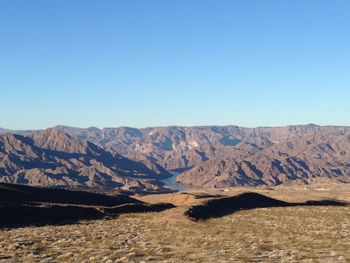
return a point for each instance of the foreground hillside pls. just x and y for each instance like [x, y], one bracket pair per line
[279, 234]
[22, 206]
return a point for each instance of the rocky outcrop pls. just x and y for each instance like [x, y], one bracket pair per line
[53, 158]
[300, 158]
[214, 156]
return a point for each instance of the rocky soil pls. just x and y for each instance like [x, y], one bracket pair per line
[291, 234]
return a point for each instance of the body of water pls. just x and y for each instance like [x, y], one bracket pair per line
[171, 181]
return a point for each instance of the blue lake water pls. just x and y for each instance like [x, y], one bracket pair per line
[171, 181]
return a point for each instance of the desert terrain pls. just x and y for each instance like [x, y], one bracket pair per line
[275, 234]
[175, 194]
[174, 131]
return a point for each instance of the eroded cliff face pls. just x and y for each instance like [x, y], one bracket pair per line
[214, 156]
[53, 158]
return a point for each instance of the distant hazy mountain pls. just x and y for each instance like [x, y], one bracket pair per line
[53, 158]
[3, 130]
[221, 156]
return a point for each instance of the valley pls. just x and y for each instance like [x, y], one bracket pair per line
[171, 182]
[184, 131]
[175, 194]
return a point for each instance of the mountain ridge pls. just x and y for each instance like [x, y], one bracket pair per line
[52, 158]
[224, 156]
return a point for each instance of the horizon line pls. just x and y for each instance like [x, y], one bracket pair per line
[175, 126]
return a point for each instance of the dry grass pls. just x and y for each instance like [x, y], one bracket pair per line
[291, 234]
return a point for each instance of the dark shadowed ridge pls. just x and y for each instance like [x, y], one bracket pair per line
[22, 206]
[228, 205]
[15, 193]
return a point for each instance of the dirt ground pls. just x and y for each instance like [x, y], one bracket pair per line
[290, 234]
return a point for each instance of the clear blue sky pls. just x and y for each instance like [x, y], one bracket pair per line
[192, 62]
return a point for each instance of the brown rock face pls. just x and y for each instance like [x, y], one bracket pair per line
[210, 156]
[233, 156]
[53, 158]
[303, 157]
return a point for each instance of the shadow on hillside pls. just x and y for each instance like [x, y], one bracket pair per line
[23, 194]
[228, 205]
[47, 214]
[26, 215]
[22, 206]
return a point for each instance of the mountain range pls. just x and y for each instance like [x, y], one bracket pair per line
[53, 158]
[205, 156]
